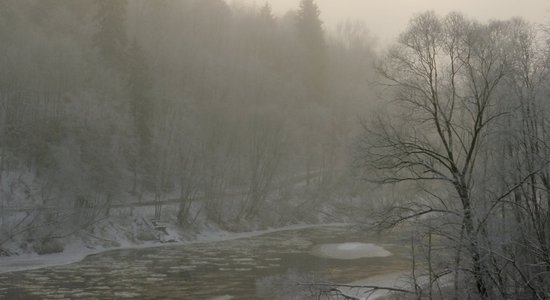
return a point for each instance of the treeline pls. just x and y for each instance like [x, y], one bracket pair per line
[467, 136]
[107, 101]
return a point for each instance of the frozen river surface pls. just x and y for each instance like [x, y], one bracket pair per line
[262, 267]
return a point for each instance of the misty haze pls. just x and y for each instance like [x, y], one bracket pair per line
[280, 149]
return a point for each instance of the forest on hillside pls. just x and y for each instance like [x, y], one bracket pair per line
[222, 115]
[229, 110]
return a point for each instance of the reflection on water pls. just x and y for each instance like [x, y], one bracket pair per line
[265, 267]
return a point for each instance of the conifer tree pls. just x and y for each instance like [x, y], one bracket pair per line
[110, 38]
[310, 30]
[310, 25]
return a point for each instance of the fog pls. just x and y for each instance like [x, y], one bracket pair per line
[307, 149]
[386, 19]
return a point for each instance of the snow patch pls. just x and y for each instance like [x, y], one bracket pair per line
[350, 246]
[225, 297]
[349, 251]
[126, 294]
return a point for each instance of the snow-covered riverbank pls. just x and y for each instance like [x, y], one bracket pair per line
[76, 254]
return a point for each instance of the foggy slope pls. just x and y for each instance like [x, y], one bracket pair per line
[139, 123]
[225, 114]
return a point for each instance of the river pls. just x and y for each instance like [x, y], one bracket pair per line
[261, 267]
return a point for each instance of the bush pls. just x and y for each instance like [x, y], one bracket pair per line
[49, 246]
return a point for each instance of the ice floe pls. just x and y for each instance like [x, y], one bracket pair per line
[349, 251]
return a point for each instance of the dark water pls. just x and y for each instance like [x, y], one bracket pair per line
[263, 267]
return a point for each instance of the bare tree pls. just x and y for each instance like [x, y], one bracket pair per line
[525, 215]
[443, 75]
[265, 150]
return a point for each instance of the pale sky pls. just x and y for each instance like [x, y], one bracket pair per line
[387, 18]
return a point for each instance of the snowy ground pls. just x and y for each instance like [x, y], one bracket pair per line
[77, 252]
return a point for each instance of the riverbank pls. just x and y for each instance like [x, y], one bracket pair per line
[75, 254]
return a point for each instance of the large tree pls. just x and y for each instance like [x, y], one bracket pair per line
[444, 76]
